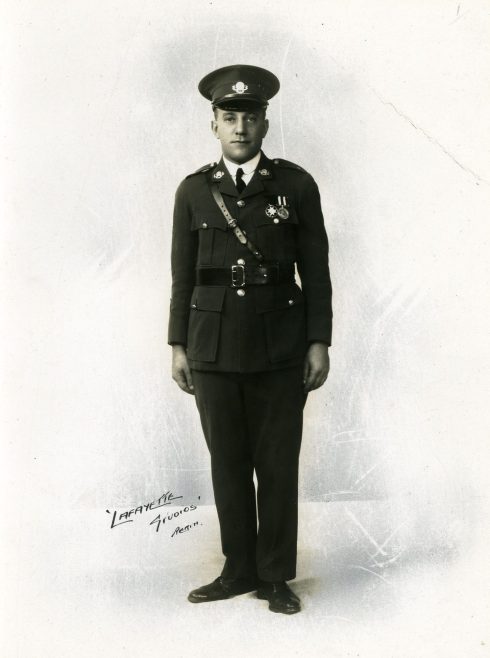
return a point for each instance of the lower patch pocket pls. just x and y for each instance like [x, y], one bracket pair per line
[284, 323]
[205, 323]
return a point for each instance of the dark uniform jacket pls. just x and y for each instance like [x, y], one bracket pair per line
[262, 327]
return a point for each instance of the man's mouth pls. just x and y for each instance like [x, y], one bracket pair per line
[240, 141]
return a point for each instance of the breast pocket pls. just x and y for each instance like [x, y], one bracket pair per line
[276, 235]
[205, 323]
[283, 311]
[213, 236]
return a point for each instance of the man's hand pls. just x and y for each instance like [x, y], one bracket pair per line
[317, 365]
[181, 373]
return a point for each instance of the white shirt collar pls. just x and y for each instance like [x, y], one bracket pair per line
[248, 167]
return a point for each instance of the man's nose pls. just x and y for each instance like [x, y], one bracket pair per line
[240, 126]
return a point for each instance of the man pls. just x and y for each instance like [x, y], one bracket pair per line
[247, 340]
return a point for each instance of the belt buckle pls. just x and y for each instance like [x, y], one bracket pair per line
[234, 276]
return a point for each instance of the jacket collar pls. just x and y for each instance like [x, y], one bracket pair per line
[221, 175]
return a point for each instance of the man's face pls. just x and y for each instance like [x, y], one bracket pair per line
[240, 132]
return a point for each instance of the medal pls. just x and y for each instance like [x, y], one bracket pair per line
[277, 208]
[271, 210]
[282, 211]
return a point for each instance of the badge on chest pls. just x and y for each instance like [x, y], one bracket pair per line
[277, 207]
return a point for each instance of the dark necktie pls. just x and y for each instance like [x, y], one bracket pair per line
[240, 185]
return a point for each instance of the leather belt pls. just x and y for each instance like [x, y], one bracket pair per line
[238, 276]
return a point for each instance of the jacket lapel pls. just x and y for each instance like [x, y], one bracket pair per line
[221, 175]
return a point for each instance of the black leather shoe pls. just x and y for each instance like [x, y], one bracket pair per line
[281, 598]
[221, 589]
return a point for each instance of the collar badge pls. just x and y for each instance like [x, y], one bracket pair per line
[264, 172]
[218, 174]
[240, 87]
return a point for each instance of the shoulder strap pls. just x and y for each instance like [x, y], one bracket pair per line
[287, 164]
[233, 224]
[202, 170]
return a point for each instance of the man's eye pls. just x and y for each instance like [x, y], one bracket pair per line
[229, 119]
[252, 119]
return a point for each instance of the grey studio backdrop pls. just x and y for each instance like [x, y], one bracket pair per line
[386, 105]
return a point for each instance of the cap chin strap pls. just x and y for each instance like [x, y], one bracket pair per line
[239, 105]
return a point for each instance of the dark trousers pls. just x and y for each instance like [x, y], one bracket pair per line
[254, 421]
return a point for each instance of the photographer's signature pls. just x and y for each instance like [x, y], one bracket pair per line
[168, 498]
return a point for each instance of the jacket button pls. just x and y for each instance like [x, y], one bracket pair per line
[240, 292]
[194, 305]
[240, 203]
[204, 225]
[291, 302]
[276, 221]
[240, 261]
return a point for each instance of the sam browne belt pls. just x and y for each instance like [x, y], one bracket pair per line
[233, 224]
[238, 276]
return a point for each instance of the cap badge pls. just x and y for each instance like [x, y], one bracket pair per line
[264, 172]
[240, 87]
[218, 174]
[271, 210]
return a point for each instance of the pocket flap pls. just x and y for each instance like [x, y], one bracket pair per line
[206, 221]
[263, 219]
[208, 298]
[271, 298]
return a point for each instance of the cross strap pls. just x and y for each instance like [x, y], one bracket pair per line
[233, 224]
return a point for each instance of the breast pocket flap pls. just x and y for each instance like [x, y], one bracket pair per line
[271, 216]
[204, 222]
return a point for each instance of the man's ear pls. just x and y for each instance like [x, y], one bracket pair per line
[266, 127]
[214, 128]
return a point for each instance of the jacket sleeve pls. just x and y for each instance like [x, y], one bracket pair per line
[313, 264]
[183, 262]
